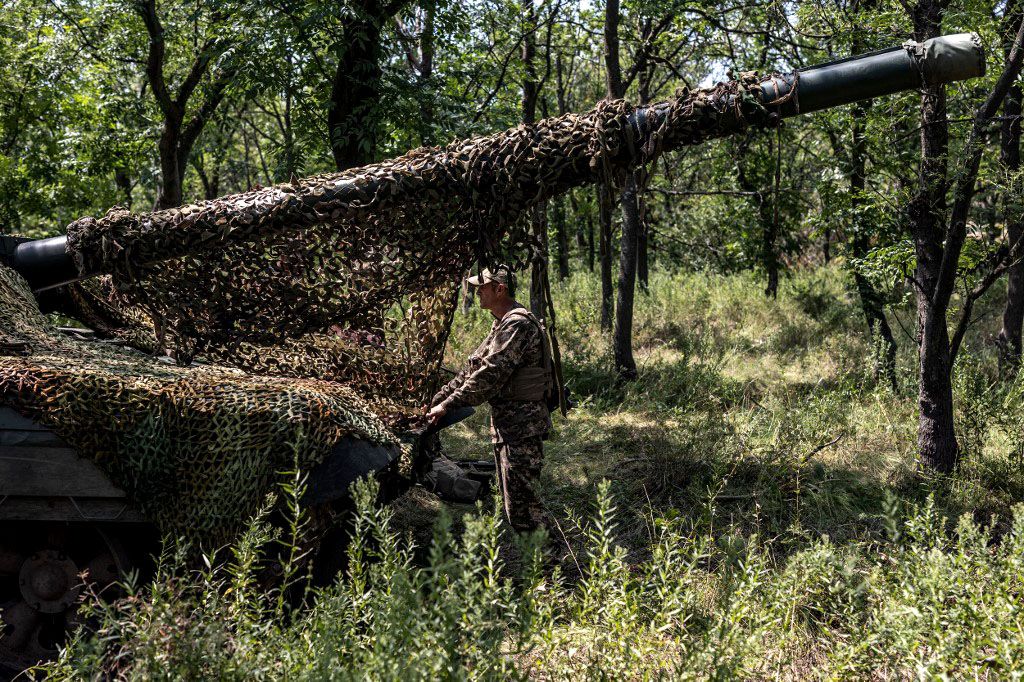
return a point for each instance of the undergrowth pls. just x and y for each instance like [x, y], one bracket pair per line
[750, 508]
[924, 603]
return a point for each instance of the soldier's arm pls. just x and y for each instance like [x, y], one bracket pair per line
[450, 387]
[505, 354]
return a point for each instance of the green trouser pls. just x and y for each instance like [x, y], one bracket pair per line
[517, 465]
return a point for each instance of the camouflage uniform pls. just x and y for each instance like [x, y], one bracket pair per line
[518, 427]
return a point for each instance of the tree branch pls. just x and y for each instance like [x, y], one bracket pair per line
[155, 57]
[964, 192]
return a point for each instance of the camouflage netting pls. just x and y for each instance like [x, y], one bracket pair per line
[375, 250]
[196, 447]
[348, 277]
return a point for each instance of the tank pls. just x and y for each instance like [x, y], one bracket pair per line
[62, 514]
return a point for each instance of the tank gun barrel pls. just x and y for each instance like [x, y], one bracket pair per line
[472, 178]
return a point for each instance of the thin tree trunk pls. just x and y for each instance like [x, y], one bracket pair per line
[769, 231]
[426, 71]
[622, 334]
[1013, 311]
[561, 238]
[870, 301]
[1009, 339]
[642, 175]
[936, 437]
[538, 219]
[289, 162]
[642, 247]
[591, 251]
[625, 365]
[605, 253]
[124, 184]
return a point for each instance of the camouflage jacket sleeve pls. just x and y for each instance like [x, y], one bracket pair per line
[448, 388]
[491, 366]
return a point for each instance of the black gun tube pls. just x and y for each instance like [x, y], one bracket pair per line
[50, 262]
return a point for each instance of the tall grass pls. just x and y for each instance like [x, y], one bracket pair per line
[750, 508]
[924, 603]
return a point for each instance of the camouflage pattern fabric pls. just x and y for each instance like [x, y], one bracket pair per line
[514, 341]
[518, 466]
[375, 249]
[197, 448]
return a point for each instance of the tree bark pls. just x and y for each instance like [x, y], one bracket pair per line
[642, 248]
[538, 216]
[605, 207]
[561, 238]
[124, 184]
[625, 365]
[177, 138]
[936, 438]
[426, 71]
[1013, 312]
[769, 231]
[622, 334]
[1009, 339]
[356, 86]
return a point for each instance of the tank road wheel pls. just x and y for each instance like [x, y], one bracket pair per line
[41, 582]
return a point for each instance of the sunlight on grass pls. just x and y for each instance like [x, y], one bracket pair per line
[750, 508]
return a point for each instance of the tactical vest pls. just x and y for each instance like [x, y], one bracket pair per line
[530, 383]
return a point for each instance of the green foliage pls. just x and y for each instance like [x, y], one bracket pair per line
[927, 603]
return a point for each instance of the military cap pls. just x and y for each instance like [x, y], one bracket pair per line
[502, 274]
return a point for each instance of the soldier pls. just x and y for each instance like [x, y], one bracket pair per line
[511, 370]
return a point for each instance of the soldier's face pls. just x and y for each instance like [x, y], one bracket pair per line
[485, 292]
[489, 294]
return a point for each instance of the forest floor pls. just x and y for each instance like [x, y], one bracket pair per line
[749, 509]
[770, 407]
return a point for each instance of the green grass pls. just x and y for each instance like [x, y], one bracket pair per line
[750, 508]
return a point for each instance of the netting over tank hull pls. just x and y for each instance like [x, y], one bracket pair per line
[196, 448]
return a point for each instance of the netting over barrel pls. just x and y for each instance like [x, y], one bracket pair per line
[373, 253]
[326, 303]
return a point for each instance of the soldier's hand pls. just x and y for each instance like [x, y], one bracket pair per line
[435, 414]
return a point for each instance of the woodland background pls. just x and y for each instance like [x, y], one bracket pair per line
[795, 350]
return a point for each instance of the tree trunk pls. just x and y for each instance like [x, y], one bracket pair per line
[426, 72]
[642, 257]
[625, 365]
[539, 269]
[170, 193]
[1009, 339]
[642, 176]
[355, 89]
[936, 437]
[561, 238]
[605, 253]
[622, 334]
[769, 232]
[124, 184]
[538, 216]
